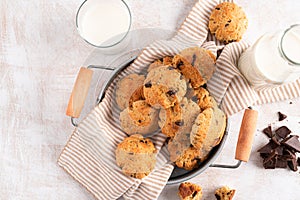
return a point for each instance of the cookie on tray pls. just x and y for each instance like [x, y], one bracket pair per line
[163, 87]
[140, 118]
[189, 191]
[137, 95]
[228, 22]
[189, 159]
[167, 60]
[224, 193]
[201, 127]
[178, 118]
[136, 156]
[202, 59]
[190, 73]
[215, 132]
[141, 113]
[170, 120]
[125, 87]
[202, 98]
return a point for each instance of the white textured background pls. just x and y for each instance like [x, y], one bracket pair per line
[40, 55]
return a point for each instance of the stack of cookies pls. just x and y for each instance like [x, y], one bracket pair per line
[172, 97]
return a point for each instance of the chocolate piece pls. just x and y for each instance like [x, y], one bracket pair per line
[179, 123]
[276, 140]
[270, 164]
[283, 132]
[293, 143]
[292, 164]
[281, 116]
[268, 131]
[298, 161]
[268, 147]
[148, 85]
[279, 150]
[281, 162]
[171, 92]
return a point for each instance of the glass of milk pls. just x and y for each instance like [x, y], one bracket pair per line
[104, 23]
[274, 59]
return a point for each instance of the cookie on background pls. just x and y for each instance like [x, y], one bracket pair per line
[228, 22]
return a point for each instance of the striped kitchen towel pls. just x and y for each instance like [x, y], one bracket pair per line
[89, 154]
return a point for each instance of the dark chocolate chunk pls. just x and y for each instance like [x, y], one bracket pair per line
[279, 150]
[275, 139]
[292, 164]
[281, 116]
[217, 8]
[229, 21]
[270, 164]
[148, 85]
[268, 147]
[271, 156]
[180, 64]
[282, 132]
[226, 25]
[298, 161]
[281, 162]
[268, 131]
[293, 143]
[194, 99]
[179, 123]
[171, 92]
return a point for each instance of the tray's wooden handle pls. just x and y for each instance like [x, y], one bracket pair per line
[246, 135]
[79, 92]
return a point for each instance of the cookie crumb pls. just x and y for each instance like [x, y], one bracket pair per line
[189, 191]
[224, 193]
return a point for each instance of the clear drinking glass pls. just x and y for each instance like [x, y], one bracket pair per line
[104, 23]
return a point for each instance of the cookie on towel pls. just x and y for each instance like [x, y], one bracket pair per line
[202, 98]
[200, 128]
[125, 87]
[189, 191]
[136, 156]
[190, 73]
[228, 22]
[140, 118]
[167, 60]
[189, 159]
[202, 59]
[170, 120]
[215, 132]
[163, 87]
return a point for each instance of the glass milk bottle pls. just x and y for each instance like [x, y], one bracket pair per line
[273, 59]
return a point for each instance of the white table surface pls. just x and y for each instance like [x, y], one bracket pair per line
[40, 55]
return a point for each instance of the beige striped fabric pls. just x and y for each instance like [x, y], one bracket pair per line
[89, 154]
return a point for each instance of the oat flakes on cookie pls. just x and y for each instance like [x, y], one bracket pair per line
[228, 22]
[125, 87]
[136, 156]
[189, 191]
[163, 87]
